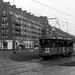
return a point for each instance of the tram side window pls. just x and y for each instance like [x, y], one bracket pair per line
[49, 42]
[70, 43]
[65, 43]
[53, 43]
[57, 43]
[45, 43]
[60, 43]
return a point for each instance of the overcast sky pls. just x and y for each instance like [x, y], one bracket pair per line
[64, 10]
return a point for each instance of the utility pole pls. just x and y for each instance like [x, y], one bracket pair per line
[13, 2]
[67, 25]
[14, 34]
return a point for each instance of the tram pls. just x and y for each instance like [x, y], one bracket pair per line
[55, 46]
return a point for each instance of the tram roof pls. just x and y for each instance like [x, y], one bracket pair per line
[52, 37]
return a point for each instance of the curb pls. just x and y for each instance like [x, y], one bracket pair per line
[29, 58]
[14, 58]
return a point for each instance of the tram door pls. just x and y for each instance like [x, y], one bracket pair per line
[65, 48]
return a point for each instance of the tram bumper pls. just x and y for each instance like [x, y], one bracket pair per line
[46, 52]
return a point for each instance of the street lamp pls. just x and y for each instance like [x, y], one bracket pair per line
[14, 34]
[67, 26]
[72, 31]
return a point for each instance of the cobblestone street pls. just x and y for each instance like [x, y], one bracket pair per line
[35, 67]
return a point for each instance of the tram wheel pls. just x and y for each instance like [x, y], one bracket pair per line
[70, 53]
[45, 57]
[65, 54]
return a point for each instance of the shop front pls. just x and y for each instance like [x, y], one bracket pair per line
[15, 44]
[6, 44]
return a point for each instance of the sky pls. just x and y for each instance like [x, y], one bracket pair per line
[63, 10]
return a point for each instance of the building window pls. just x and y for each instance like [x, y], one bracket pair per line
[11, 12]
[4, 14]
[21, 27]
[4, 37]
[21, 32]
[4, 25]
[29, 24]
[24, 23]
[24, 28]
[24, 33]
[4, 19]
[21, 22]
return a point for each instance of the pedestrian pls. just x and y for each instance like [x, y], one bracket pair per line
[19, 48]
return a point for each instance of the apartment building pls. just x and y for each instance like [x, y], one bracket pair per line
[20, 28]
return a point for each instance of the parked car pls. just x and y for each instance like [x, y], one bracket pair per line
[36, 47]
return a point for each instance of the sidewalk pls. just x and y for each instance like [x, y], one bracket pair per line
[25, 55]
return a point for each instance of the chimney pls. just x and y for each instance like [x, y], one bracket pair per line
[1, 0]
[29, 13]
[20, 9]
[36, 16]
[25, 11]
[8, 3]
[14, 6]
[32, 15]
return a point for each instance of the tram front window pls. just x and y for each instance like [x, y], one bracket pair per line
[45, 43]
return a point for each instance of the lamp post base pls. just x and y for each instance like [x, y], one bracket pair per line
[14, 52]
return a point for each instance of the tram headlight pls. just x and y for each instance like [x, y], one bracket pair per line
[63, 50]
[47, 50]
[67, 49]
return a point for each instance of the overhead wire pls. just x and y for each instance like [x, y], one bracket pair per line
[62, 5]
[39, 10]
[53, 8]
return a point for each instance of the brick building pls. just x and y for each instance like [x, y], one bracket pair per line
[20, 27]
